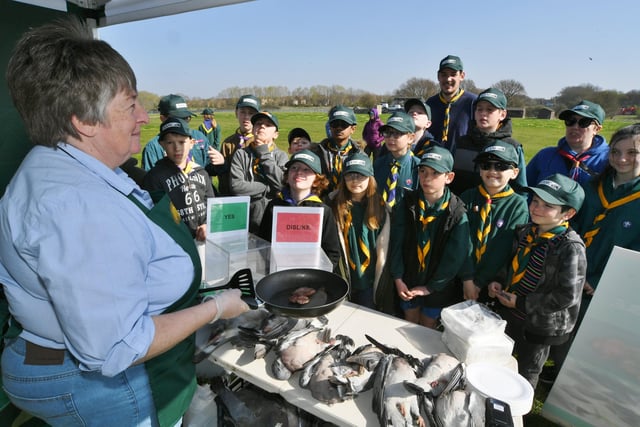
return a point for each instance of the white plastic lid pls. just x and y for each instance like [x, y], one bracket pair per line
[501, 383]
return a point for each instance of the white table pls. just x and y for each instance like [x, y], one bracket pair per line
[347, 319]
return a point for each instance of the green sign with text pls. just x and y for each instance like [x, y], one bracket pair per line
[227, 217]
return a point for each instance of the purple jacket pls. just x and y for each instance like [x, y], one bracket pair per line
[371, 132]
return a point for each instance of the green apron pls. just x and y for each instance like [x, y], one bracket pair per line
[172, 374]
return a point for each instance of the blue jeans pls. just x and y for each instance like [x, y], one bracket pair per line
[63, 395]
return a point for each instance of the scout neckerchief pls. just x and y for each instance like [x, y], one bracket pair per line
[447, 112]
[484, 227]
[357, 248]
[209, 126]
[527, 246]
[338, 154]
[389, 193]
[424, 219]
[576, 163]
[595, 227]
[243, 138]
[285, 195]
[256, 163]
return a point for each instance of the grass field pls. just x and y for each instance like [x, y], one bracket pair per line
[533, 134]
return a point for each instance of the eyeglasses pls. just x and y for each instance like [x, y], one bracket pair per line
[339, 124]
[497, 166]
[354, 176]
[583, 122]
[392, 134]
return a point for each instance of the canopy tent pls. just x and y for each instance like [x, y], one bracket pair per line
[109, 12]
[19, 15]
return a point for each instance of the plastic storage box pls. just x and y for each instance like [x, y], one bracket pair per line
[288, 257]
[224, 258]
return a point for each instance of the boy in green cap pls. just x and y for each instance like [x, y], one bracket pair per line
[430, 241]
[541, 290]
[396, 171]
[494, 210]
[490, 123]
[333, 150]
[257, 170]
[187, 183]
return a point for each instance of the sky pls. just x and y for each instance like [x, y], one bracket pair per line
[376, 45]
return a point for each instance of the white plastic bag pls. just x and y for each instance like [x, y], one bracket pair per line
[470, 321]
[203, 411]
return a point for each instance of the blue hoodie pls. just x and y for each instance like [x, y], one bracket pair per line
[371, 132]
[550, 160]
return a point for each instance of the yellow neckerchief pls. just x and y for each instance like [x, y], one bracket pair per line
[389, 193]
[213, 126]
[525, 249]
[484, 227]
[595, 228]
[257, 170]
[338, 154]
[286, 196]
[423, 250]
[349, 233]
[447, 111]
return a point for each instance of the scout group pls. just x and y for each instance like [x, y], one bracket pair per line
[100, 274]
[433, 207]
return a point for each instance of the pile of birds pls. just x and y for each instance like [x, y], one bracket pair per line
[407, 391]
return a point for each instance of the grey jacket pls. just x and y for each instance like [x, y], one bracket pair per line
[262, 187]
[552, 309]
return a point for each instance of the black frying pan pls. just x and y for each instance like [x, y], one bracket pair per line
[276, 288]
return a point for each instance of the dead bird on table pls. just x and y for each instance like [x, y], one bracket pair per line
[272, 331]
[318, 371]
[297, 348]
[461, 409]
[356, 375]
[209, 337]
[442, 374]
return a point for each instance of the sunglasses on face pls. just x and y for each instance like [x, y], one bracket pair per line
[583, 122]
[354, 176]
[497, 166]
[339, 124]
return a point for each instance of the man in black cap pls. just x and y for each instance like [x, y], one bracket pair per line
[175, 106]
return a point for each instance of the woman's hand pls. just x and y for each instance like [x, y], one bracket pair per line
[470, 290]
[228, 304]
[403, 290]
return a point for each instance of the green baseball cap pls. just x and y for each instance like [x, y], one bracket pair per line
[266, 114]
[174, 106]
[340, 112]
[358, 163]
[174, 125]
[451, 61]
[559, 189]
[400, 121]
[417, 101]
[298, 133]
[437, 158]
[494, 97]
[249, 101]
[207, 111]
[498, 150]
[307, 157]
[587, 109]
